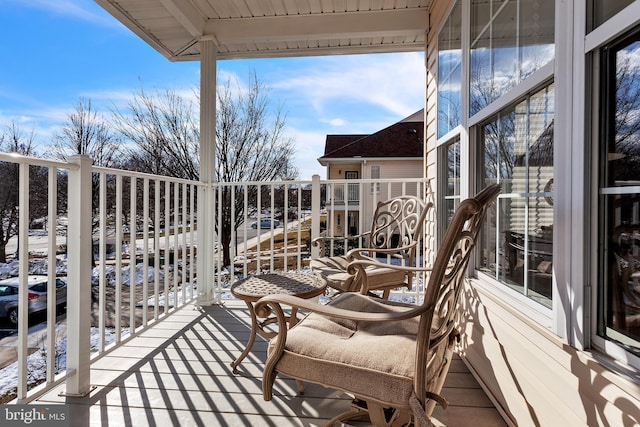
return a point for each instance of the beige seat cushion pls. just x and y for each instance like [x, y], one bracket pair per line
[373, 360]
[334, 271]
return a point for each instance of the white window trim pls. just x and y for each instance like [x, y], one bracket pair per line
[538, 78]
[534, 310]
[620, 23]
[607, 32]
[570, 304]
[524, 305]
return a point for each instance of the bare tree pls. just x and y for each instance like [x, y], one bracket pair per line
[87, 133]
[14, 140]
[250, 147]
[164, 133]
[625, 138]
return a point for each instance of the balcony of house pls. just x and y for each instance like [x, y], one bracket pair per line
[345, 193]
[149, 328]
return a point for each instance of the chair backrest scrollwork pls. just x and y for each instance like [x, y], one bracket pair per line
[398, 223]
[449, 271]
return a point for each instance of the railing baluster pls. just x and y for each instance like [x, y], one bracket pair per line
[119, 230]
[133, 253]
[52, 220]
[167, 242]
[192, 228]
[23, 262]
[183, 236]
[102, 257]
[285, 227]
[301, 219]
[145, 252]
[315, 212]
[176, 243]
[156, 249]
[258, 228]
[272, 229]
[246, 223]
[233, 250]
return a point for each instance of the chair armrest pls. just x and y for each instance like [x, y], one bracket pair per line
[320, 239]
[358, 267]
[358, 253]
[361, 263]
[263, 310]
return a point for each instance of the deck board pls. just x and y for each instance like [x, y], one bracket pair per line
[178, 373]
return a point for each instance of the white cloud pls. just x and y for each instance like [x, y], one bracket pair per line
[336, 122]
[395, 83]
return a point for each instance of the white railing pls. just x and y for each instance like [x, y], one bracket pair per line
[143, 232]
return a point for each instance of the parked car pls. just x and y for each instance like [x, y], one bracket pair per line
[265, 223]
[37, 296]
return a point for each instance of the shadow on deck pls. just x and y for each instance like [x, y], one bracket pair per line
[178, 373]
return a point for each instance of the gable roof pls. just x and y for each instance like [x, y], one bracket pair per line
[402, 139]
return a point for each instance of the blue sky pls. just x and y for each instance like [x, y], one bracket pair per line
[56, 51]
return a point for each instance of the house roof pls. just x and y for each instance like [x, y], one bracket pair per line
[274, 28]
[402, 139]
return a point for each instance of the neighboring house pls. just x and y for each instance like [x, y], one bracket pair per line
[391, 153]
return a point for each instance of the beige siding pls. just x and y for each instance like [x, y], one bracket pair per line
[394, 169]
[436, 15]
[537, 378]
[337, 171]
[397, 168]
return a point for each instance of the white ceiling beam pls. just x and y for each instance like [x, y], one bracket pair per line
[319, 26]
[187, 15]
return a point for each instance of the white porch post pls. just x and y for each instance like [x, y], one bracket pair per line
[80, 250]
[206, 212]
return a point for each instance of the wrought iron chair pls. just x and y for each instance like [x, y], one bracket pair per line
[395, 233]
[392, 357]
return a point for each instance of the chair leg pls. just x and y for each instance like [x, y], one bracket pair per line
[353, 414]
[380, 416]
[376, 413]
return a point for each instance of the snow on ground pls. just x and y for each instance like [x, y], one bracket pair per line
[37, 361]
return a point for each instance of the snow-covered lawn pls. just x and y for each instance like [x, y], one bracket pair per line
[37, 361]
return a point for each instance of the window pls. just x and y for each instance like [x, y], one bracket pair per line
[452, 191]
[601, 10]
[510, 39]
[375, 174]
[516, 149]
[509, 46]
[449, 72]
[619, 297]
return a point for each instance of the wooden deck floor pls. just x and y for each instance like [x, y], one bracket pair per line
[177, 373]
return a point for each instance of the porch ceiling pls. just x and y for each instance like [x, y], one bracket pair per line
[275, 28]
